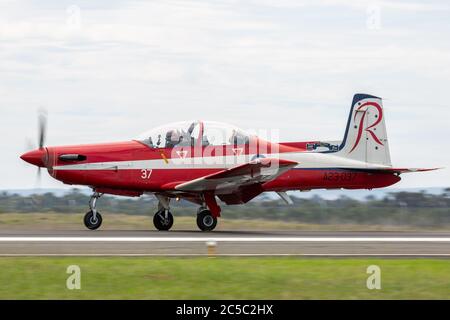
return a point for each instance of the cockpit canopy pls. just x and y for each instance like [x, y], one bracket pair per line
[194, 133]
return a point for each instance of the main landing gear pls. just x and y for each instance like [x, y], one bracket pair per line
[93, 219]
[163, 218]
[208, 213]
[205, 220]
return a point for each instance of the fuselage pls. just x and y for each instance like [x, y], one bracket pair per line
[132, 168]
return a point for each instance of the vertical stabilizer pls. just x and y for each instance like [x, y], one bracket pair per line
[365, 137]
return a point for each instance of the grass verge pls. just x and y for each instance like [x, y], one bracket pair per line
[222, 278]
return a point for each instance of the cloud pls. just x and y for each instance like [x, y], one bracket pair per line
[361, 4]
[288, 65]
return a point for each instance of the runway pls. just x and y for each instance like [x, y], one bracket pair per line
[224, 243]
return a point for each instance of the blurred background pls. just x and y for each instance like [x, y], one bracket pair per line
[317, 210]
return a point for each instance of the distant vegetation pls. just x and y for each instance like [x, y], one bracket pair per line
[401, 208]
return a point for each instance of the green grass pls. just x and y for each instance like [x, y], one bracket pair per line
[222, 278]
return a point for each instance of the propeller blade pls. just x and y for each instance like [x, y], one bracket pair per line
[38, 178]
[42, 118]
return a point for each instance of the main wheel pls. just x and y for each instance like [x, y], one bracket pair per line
[161, 222]
[92, 223]
[206, 221]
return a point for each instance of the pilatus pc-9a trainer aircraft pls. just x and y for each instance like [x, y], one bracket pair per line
[201, 161]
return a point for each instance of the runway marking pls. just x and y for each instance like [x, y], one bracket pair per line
[225, 239]
[225, 255]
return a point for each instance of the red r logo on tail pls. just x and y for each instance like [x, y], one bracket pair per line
[369, 128]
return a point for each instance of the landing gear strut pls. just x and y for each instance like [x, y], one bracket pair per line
[208, 213]
[93, 219]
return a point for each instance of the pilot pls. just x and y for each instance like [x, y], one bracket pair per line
[237, 138]
[185, 139]
[173, 137]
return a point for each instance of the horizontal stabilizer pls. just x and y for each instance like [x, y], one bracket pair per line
[408, 170]
[392, 170]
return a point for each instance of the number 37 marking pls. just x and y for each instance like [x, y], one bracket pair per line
[146, 173]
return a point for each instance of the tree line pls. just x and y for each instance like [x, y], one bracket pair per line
[399, 208]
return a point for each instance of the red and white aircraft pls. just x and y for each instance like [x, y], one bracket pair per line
[201, 161]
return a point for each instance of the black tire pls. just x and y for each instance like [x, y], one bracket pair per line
[161, 223]
[89, 221]
[206, 221]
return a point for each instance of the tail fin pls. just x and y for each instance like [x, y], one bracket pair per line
[365, 137]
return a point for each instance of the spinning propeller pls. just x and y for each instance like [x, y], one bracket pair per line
[38, 157]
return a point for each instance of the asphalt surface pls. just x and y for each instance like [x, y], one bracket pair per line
[302, 243]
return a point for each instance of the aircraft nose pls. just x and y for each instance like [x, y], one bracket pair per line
[35, 157]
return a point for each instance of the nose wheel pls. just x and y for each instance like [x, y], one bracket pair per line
[93, 219]
[91, 222]
[206, 221]
[163, 220]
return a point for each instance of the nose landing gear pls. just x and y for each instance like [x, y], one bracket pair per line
[93, 219]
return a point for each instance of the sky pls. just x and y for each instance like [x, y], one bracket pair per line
[109, 70]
